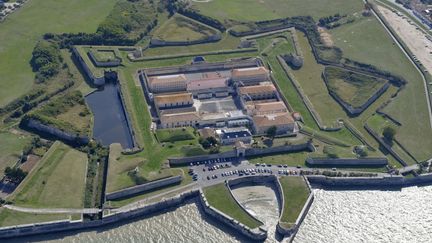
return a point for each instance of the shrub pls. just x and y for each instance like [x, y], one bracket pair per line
[46, 60]
[389, 133]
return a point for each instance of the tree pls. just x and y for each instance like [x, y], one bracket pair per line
[15, 175]
[271, 132]
[389, 133]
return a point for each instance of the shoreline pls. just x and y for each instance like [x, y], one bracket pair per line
[317, 182]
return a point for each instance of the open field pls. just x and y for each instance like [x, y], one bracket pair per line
[256, 10]
[11, 147]
[175, 134]
[9, 217]
[57, 181]
[353, 88]
[295, 194]
[227, 42]
[378, 123]
[20, 31]
[181, 28]
[409, 107]
[220, 198]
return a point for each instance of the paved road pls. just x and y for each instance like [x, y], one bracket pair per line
[53, 210]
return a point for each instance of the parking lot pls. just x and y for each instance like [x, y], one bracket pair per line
[211, 172]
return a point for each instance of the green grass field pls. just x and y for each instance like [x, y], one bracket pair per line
[256, 10]
[9, 217]
[410, 107]
[57, 181]
[175, 134]
[181, 28]
[20, 31]
[295, 194]
[220, 198]
[11, 147]
[353, 88]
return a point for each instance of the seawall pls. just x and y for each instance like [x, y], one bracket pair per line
[257, 234]
[292, 231]
[369, 182]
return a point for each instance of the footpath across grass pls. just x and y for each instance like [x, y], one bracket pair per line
[58, 181]
[295, 193]
[219, 197]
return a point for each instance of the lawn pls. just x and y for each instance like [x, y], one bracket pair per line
[58, 181]
[9, 217]
[11, 147]
[175, 134]
[256, 10]
[227, 42]
[353, 88]
[295, 193]
[104, 55]
[219, 197]
[21, 30]
[409, 107]
[181, 28]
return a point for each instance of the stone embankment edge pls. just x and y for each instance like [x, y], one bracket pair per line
[257, 234]
[291, 232]
[140, 211]
[253, 180]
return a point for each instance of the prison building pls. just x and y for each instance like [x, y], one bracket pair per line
[231, 135]
[167, 83]
[262, 91]
[283, 122]
[266, 108]
[207, 85]
[184, 119]
[250, 76]
[173, 100]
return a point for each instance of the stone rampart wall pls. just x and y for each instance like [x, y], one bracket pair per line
[369, 182]
[348, 107]
[143, 188]
[113, 63]
[53, 132]
[291, 231]
[154, 42]
[347, 161]
[204, 67]
[257, 234]
[88, 72]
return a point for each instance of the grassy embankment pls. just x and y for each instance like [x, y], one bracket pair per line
[365, 40]
[256, 10]
[68, 113]
[219, 197]
[378, 123]
[295, 193]
[21, 30]
[9, 217]
[58, 181]
[11, 147]
[181, 28]
[353, 88]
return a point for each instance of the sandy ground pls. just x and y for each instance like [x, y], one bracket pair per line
[325, 36]
[413, 37]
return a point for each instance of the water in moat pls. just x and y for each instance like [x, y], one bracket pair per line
[335, 216]
[110, 123]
